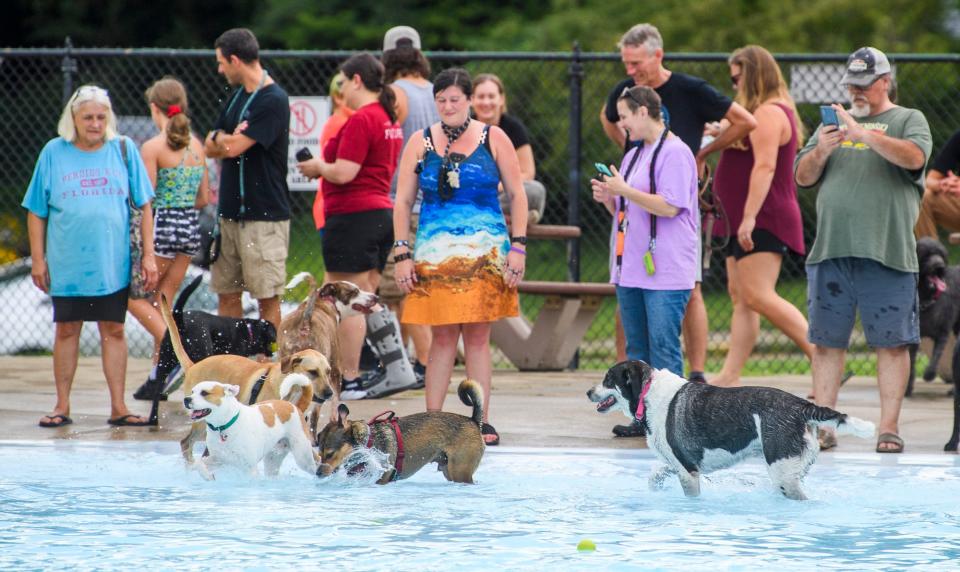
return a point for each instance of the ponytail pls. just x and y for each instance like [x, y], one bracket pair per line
[178, 131]
[388, 99]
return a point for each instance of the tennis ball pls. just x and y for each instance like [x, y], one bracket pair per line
[586, 545]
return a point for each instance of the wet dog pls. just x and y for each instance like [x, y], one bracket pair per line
[256, 381]
[938, 289]
[696, 428]
[452, 441]
[206, 335]
[241, 436]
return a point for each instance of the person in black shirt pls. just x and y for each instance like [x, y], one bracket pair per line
[941, 198]
[688, 104]
[489, 105]
[251, 137]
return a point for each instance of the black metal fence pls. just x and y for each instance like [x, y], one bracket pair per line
[557, 95]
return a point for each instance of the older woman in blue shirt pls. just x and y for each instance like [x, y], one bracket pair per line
[78, 223]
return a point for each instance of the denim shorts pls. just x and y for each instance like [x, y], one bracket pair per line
[651, 324]
[887, 300]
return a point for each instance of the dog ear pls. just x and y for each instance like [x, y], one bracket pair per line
[637, 373]
[342, 412]
[297, 360]
[233, 390]
[329, 290]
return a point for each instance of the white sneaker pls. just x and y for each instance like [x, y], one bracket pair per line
[352, 391]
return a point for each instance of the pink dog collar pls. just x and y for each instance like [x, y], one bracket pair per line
[641, 408]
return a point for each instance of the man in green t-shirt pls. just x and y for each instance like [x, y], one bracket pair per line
[869, 174]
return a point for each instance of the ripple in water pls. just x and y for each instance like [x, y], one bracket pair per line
[84, 506]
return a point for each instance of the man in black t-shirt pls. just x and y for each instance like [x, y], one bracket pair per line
[688, 103]
[941, 197]
[251, 137]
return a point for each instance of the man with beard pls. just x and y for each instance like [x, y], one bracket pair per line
[251, 138]
[869, 172]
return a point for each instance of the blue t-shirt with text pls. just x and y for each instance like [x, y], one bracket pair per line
[83, 197]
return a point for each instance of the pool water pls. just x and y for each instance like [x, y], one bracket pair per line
[113, 506]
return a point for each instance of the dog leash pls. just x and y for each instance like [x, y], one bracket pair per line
[389, 417]
[255, 392]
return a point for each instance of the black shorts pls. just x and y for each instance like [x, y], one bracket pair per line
[109, 308]
[358, 242]
[763, 241]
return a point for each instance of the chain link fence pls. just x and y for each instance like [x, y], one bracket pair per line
[557, 95]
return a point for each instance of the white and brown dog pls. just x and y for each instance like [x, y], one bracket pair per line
[697, 428]
[241, 435]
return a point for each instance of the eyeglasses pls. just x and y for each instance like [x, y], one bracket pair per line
[867, 87]
[735, 80]
[629, 94]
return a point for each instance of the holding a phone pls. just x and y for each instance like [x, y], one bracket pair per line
[603, 171]
[828, 116]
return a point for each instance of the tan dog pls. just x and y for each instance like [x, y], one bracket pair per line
[242, 435]
[313, 325]
[452, 441]
[261, 381]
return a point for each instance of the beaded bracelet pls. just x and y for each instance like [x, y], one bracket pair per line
[518, 250]
[402, 256]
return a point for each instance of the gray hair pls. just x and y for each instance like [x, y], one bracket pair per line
[86, 93]
[642, 35]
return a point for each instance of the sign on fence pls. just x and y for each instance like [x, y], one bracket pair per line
[307, 118]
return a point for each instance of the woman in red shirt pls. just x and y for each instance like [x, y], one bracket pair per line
[357, 166]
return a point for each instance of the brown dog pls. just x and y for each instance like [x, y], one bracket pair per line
[257, 381]
[452, 441]
[313, 325]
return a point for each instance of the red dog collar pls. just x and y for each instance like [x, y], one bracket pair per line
[389, 417]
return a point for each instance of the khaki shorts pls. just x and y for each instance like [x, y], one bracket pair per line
[389, 292]
[253, 258]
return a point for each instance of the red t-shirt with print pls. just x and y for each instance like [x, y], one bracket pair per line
[370, 139]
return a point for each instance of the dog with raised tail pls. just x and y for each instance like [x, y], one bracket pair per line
[696, 428]
[243, 435]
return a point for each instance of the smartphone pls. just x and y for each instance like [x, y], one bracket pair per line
[303, 155]
[828, 115]
[603, 170]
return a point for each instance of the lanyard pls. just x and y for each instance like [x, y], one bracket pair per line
[622, 222]
[243, 110]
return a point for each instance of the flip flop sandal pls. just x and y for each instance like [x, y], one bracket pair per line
[889, 439]
[57, 420]
[124, 421]
[488, 429]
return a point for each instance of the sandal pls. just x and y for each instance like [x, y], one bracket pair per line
[57, 420]
[488, 430]
[890, 439]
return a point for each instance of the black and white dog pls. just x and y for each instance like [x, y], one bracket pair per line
[696, 428]
[938, 289]
[205, 335]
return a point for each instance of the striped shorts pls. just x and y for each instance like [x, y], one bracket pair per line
[176, 231]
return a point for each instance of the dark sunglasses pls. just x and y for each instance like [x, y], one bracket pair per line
[735, 80]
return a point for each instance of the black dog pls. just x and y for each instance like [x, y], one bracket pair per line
[205, 335]
[938, 289]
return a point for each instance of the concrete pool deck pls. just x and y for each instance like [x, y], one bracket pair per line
[528, 409]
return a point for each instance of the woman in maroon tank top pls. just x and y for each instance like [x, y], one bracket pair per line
[754, 183]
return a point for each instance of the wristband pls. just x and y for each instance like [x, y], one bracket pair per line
[518, 250]
[401, 257]
[401, 243]
[519, 239]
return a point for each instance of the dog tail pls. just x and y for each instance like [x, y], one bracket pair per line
[185, 362]
[185, 295]
[843, 423]
[296, 280]
[471, 394]
[297, 389]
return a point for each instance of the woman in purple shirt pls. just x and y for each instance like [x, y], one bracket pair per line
[754, 183]
[654, 255]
